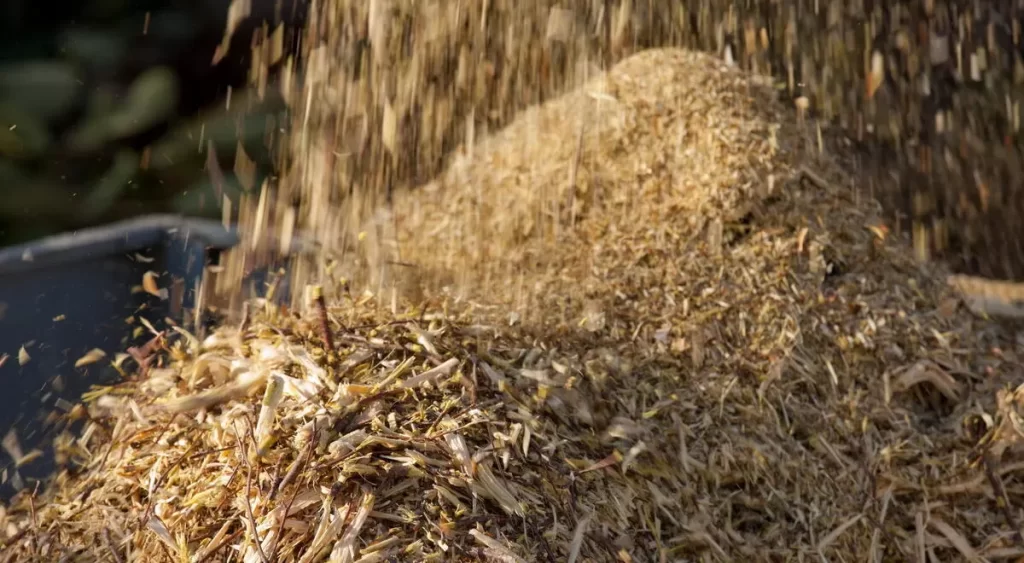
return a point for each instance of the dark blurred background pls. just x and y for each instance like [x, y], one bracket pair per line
[108, 108]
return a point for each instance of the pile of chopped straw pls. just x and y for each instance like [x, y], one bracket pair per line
[651, 322]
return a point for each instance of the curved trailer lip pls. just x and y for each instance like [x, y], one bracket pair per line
[64, 295]
[123, 236]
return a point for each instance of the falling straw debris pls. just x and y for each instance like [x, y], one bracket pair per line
[710, 356]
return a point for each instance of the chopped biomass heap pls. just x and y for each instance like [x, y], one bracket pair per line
[653, 322]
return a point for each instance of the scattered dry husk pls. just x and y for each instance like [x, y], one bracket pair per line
[683, 360]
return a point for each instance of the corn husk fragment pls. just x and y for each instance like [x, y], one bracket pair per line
[90, 357]
[23, 356]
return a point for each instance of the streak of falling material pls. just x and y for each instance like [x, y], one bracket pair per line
[877, 73]
[938, 49]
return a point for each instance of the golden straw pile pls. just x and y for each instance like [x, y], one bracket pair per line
[648, 321]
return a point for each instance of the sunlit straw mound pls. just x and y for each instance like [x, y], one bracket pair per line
[668, 136]
[818, 369]
[416, 441]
